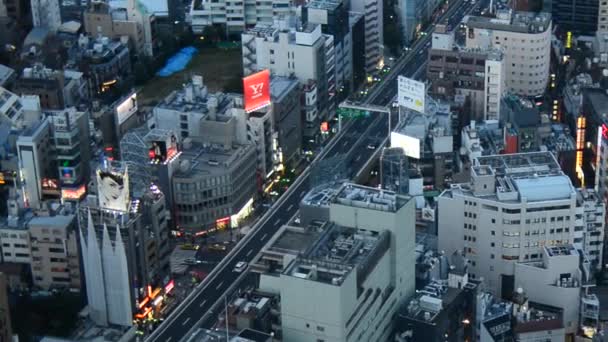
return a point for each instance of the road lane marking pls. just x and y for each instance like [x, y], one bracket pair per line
[277, 221]
[185, 321]
[290, 206]
[358, 157]
[302, 194]
[169, 339]
[264, 237]
[250, 251]
[219, 285]
[202, 303]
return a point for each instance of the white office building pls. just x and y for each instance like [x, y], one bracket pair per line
[514, 206]
[374, 31]
[303, 52]
[344, 278]
[525, 39]
[236, 15]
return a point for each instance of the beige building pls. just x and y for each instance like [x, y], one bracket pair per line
[54, 244]
[101, 19]
[525, 40]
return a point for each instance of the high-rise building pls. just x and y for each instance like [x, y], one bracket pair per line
[579, 17]
[237, 15]
[515, 205]
[333, 17]
[46, 13]
[70, 132]
[372, 11]
[6, 331]
[286, 97]
[34, 147]
[525, 40]
[413, 14]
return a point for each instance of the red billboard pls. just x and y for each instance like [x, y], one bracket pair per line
[256, 89]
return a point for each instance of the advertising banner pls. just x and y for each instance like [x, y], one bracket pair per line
[411, 94]
[256, 90]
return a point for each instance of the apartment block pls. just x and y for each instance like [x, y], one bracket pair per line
[525, 40]
[237, 16]
[55, 253]
[512, 208]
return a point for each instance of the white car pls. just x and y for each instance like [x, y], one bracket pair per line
[371, 147]
[240, 266]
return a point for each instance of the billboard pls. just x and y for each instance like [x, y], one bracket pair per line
[159, 150]
[126, 109]
[113, 190]
[410, 145]
[256, 89]
[411, 94]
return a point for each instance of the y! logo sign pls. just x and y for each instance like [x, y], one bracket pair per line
[256, 90]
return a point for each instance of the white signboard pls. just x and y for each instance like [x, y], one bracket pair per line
[410, 145]
[411, 94]
[126, 109]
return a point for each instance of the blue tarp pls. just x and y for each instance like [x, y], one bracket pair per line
[177, 62]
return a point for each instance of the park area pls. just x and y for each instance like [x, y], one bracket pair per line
[219, 65]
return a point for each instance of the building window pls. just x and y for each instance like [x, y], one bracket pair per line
[320, 328]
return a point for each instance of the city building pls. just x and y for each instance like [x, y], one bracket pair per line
[237, 16]
[413, 15]
[56, 89]
[556, 280]
[430, 143]
[46, 13]
[11, 108]
[15, 238]
[579, 17]
[286, 110]
[357, 266]
[333, 17]
[34, 149]
[7, 76]
[394, 170]
[303, 54]
[373, 14]
[221, 119]
[513, 206]
[124, 248]
[132, 21]
[6, 331]
[456, 71]
[55, 253]
[72, 147]
[525, 39]
[106, 64]
[214, 185]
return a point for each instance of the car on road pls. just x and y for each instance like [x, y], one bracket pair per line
[240, 266]
[189, 247]
[371, 147]
[217, 247]
[192, 261]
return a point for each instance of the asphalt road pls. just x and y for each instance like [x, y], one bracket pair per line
[355, 142]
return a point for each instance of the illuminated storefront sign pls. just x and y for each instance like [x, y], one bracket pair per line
[170, 285]
[222, 223]
[73, 194]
